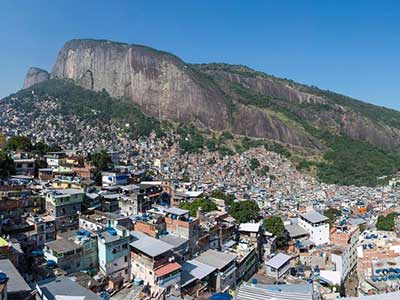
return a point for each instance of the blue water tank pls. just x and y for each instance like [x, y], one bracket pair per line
[112, 231]
[3, 277]
[51, 263]
[221, 296]
[105, 296]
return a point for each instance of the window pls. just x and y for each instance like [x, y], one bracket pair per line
[126, 258]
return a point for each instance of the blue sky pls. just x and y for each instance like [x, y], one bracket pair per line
[351, 47]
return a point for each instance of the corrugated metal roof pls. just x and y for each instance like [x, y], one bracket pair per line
[295, 230]
[278, 260]
[148, 245]
[194, 270]
[314, 217]
[176, 211]
[247, 292]
[215, 258]
[169, 268]
[55, 288]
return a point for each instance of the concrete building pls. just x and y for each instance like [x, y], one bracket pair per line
[54, 159]
[64, 206]
[25, 166]
[63, 288]
[44, 229]
[344, 254]
[278, 266]
[74, 251]
[114, 254]
[153, 263]
[180, 224]
[225, 263]
[316, 225]
[13, 287]
[114, 178]
[197, 278]
[251, 234]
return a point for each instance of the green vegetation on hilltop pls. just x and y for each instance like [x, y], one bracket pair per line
[102, 162]
[376, 113]
[275, 226]
[92, 106]
[254, 164]
[342, 160]
[351, 162]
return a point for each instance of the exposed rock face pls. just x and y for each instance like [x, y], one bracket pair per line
[34, 76]
[168, 88]
[163, 85]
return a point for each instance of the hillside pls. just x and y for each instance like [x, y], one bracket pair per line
[60, 112]
[323, 130]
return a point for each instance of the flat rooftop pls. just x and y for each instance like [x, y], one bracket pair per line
[65, 288]
[314, 217]
[16, 283]
[278, 260]
[62, 245]
[148, 245]
[216, 258]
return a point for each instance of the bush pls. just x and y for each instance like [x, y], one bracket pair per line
[205, 204]
[386, 223]
[244, 211]
[7, 166]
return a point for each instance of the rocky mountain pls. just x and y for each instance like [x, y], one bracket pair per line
[341, 139]
[35, 76]
[220, 96]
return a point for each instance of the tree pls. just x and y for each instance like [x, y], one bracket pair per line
[205, 204]
[332, 214]
[102, 161]
[244, 211]
[7, 166]
[254, 163]
[19, 143]
[42, 148]
[386, 223]
[229, 199]
[275, 225]
[263, 171]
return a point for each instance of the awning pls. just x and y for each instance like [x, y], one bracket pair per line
[169, 268]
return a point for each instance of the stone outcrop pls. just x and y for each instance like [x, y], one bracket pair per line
[34, 76]
[168, 88]
[162, 84]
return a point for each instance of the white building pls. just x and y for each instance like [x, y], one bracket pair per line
[344, 254]
[316, 225]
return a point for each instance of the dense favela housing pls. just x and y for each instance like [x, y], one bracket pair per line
[156, 223]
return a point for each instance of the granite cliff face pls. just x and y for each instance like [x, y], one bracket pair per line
[35, 76]
[219, 96]
[162, 84]
[324, 110]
